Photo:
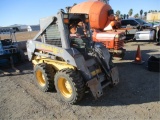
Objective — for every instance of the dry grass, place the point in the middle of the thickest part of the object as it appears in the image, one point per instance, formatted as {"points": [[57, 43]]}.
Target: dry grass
{"points": [[20, 36]]}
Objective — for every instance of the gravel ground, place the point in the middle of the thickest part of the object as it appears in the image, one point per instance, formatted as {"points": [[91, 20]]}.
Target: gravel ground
{"points": [[137, 96]]}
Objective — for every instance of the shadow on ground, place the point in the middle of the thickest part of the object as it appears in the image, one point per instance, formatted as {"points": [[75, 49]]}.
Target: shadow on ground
{"points": [[137, 84]]}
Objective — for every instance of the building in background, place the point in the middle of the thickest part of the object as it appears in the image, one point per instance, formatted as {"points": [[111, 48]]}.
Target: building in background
{"points": [[153, 16], [35, 27], [16, 28]]}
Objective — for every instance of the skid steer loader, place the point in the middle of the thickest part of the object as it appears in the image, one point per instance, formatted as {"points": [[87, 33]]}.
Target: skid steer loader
{"points": [[70, 62]]}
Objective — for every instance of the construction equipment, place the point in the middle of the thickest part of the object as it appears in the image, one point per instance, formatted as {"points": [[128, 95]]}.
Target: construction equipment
{"points": [[66, 57], [103, 24], [138, 58], [10, 53]]}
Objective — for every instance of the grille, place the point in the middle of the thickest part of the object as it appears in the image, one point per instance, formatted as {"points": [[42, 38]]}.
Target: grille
{"points": [[119, 44], [52, 36]]}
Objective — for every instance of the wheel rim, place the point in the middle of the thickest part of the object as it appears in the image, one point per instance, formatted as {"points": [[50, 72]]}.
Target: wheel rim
{"points": [[64, 87], [40, 78]]}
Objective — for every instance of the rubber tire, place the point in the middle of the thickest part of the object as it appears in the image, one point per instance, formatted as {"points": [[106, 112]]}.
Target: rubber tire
{"points": [[48, 73], [120, 56], [75, 80]]}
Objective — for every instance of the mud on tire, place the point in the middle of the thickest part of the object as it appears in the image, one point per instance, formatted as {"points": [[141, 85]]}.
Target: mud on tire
{"points": [[44, 77], [69, 85]]}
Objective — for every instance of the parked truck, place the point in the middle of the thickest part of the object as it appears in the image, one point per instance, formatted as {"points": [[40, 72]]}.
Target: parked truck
{"points": [[103, 25]]}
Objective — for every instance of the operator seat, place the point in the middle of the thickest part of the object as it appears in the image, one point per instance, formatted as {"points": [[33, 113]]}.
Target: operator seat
{"points": [[79, 40], [77, 37]]}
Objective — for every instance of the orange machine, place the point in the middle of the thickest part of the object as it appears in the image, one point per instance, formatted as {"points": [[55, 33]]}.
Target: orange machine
{"points": [[103, 24]]}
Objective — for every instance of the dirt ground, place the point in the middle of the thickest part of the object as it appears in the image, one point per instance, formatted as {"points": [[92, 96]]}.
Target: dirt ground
{"points": [[137, 96], [20, 36]]}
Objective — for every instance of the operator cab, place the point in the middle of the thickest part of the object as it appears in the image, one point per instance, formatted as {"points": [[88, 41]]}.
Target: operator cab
{"points": [[79, 34], [67, 31]]}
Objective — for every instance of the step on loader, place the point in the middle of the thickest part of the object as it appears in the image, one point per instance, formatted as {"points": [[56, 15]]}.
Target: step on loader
{"points": [[65, 57]]}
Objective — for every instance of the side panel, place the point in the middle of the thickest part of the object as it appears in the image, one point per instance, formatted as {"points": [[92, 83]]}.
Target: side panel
{"points": [[58, 65], [71, 56], [50, 49]]}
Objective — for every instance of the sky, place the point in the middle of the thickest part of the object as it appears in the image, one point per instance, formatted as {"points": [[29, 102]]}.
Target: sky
{"points": [[30, 11]]}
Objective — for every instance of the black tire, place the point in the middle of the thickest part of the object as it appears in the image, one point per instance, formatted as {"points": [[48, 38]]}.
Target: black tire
{"points": [[119, 56], [69, 85], [44, 77]]}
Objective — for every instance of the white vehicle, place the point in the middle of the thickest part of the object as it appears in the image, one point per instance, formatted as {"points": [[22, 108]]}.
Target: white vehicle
{"points": [[17, 28], [149, 34], [146, 35], [156, 24]]}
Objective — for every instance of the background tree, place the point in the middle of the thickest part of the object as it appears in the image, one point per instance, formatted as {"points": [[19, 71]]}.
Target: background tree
{"points": [[155, 11], [121, 16], [141, 12], [145, 14], [149, 11], [127, 16], [130, 12], [124, 16], [136, 15], [118, 13]]}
